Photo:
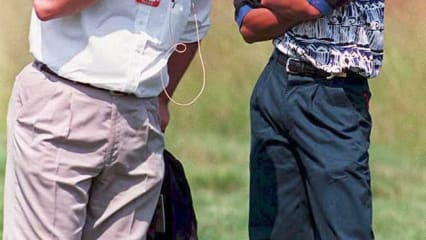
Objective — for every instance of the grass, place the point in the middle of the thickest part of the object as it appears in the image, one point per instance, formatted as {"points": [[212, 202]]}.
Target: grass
{"points": [[399, 195], [212, 136]]}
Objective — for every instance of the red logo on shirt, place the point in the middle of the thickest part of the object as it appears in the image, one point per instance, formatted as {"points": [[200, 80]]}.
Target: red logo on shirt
{"points": [[153, 3]]}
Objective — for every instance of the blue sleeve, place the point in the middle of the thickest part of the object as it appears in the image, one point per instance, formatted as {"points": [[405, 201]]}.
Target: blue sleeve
{"points": [[242, 12], [322, 5]]}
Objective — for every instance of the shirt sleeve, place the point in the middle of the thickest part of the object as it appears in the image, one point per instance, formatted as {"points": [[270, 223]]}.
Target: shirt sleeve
{"points": [[327, 6], [200, 16]]}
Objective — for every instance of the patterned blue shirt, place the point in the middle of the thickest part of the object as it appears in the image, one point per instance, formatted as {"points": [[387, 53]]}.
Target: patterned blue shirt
{"points": [[349, 37]]}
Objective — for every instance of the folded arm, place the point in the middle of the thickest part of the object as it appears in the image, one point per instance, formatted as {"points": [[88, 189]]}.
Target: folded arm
{"points": [[50, 9], [272, 18], [304, 8]]}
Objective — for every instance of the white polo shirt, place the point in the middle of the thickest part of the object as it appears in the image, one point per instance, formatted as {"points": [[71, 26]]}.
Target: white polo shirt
{"points": [[119, 45]]}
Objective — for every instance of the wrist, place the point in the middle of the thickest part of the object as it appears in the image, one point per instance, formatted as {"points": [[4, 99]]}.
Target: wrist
{"points": [[322, 5], [242, 12]]}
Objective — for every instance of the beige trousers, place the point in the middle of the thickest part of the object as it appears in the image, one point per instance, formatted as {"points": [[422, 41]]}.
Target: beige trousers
{"points": [[82, 163]]}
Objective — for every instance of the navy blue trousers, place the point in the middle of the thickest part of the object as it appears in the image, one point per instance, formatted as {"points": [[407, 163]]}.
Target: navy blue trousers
{"points": [[309, 172]]}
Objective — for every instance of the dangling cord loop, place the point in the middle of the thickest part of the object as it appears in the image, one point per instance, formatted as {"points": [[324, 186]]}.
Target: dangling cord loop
{"points": [[175, 48]]}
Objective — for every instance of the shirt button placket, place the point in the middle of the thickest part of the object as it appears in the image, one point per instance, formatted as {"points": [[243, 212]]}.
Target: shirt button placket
{"points": [[141, 22], [140, 25]]}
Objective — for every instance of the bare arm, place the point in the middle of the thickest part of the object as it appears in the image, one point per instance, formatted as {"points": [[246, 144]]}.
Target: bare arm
{"points": [[275, 18], [298, 10], [177, 65], [50, 9], [262, 24]]}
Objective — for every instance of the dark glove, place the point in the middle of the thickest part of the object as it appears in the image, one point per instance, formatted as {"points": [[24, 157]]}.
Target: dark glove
{"points": [[239, 3], [327, 6], [253, 3], [337, 3]]}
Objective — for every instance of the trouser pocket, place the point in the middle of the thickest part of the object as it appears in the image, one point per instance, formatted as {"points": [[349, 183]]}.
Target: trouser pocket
{"points": [[43, 105]]}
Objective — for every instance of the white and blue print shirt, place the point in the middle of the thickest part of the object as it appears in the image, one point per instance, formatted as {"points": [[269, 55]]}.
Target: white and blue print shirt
{"points": [[347, 37]]}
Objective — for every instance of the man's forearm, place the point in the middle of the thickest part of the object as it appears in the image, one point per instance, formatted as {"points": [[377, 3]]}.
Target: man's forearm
{"points": [[297, 10], [303, 10], [177, 65], [50, 9], [262, 24], [274, 18]]}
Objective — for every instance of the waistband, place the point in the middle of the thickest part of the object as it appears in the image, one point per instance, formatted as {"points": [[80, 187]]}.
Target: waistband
{"points": [[299, 67], [44, 68]]}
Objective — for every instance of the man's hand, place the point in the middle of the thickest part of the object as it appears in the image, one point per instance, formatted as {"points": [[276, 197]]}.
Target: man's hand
{"points": [[50, 9], [164, 113]]}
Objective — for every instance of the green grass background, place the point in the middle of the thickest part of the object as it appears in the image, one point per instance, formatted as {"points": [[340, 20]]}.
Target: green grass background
{"points": [[212, 136]]}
